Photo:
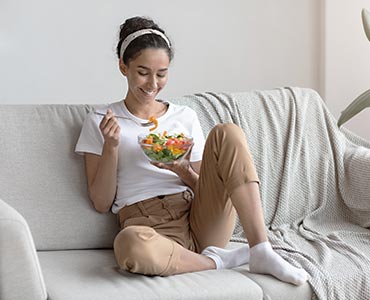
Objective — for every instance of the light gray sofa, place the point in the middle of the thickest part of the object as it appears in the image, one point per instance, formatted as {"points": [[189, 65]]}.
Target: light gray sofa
{"points": [[54, 245]]}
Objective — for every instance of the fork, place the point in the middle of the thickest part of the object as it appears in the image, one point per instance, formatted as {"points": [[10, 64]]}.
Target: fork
{"points": [[127, 118]]}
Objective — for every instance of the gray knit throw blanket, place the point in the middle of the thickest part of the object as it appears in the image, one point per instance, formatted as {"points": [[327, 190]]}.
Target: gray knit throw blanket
{"points": [[315, 183]]}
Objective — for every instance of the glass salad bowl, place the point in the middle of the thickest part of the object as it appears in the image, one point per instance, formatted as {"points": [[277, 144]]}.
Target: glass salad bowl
{"points": [[164, 147]]}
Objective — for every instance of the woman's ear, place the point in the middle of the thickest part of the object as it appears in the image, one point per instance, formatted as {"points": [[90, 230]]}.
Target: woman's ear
{"points": [[122, 67]]}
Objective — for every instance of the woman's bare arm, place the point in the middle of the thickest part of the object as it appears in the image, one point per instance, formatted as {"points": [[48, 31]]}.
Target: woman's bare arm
{"points": [[101, 171]]}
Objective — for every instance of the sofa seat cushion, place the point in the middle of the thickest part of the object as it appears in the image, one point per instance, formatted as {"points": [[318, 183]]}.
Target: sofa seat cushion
{"points": [[274, 289], [93, 275]]}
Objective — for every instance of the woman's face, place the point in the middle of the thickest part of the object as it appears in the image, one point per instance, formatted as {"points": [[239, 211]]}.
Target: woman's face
{"points": [[147, 74]]}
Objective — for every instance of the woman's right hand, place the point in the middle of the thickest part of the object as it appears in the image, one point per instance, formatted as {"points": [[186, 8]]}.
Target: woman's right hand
{"points": [[110, 129]]}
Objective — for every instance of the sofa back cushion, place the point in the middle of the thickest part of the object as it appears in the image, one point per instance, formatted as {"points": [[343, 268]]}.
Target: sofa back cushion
{"points": [[43, 178]]}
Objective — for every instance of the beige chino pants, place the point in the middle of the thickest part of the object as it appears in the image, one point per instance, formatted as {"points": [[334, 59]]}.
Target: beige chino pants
{"points": [[155, 230]]}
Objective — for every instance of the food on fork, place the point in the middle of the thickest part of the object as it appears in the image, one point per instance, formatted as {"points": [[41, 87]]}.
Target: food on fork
{"points": [[154, 121]]}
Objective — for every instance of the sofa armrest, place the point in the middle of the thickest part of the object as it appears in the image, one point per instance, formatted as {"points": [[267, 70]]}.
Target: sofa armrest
{"points": [[355, 187], [20, 272]]}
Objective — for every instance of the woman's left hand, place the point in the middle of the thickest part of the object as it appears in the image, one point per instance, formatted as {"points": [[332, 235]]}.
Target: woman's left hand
{"points": [[180, 167], [183, 169]]}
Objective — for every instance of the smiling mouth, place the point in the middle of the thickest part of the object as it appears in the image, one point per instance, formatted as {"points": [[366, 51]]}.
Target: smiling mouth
{"points": [[149, 93]]}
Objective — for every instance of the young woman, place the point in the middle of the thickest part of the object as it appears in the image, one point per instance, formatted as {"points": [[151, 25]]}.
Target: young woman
{"points": [[174, 218]]}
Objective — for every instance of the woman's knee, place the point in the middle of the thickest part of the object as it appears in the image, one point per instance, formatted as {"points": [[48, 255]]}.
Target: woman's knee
{"points": [[226, 127], [136, 249], [131, 245], [229, 132]]}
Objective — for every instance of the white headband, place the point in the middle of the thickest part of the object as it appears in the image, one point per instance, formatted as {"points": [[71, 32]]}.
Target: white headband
{"points": [[138, 33]]}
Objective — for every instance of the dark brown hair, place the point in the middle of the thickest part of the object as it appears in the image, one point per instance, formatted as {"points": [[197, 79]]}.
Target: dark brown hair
{"points": [[134, 49]]}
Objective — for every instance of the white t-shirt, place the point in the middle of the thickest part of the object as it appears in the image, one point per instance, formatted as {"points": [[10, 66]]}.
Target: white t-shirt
{"points": [[137, 179]]}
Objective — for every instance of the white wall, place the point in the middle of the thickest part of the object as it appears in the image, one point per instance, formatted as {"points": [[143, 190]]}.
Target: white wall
{"points": [[63, 51], [347, 60]]}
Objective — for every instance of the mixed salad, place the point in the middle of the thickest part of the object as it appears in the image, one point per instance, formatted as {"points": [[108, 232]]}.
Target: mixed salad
{"points": [[164, 147]]}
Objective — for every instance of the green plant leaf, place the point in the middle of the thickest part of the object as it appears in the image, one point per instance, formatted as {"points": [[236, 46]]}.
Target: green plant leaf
{"points": [[357, 105], [366, 22]]}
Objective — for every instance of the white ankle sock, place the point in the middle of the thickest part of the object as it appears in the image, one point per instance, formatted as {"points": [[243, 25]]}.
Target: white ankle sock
{"points": [[228, 258], [264, 260]]}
